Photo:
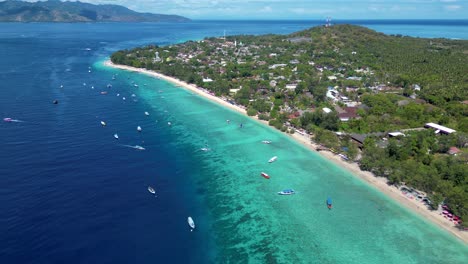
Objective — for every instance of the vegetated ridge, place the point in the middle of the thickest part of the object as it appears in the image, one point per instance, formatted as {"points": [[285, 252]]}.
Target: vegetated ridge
{"points": [[58, 11]]}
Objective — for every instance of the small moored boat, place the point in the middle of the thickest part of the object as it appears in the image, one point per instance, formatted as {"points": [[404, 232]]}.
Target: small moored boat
{"points": [[266, 176], [116, 136], [329, 203], [266, 142], [103, 123], [139, 128], [273, 159], [151, 190], [287, 192], [146, 113], [191, 223]]}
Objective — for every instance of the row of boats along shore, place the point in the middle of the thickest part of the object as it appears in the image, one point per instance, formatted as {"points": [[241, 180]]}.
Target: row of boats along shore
{"points": [[151, 189], [287, 191]]}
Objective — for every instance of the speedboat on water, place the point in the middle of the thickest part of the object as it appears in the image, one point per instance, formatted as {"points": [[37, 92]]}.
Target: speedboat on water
{"points": [[273, 159], [264, 175], [151, 190], [7, 119], [191, 223], [139, 128], [287, 192], [116, 136], [266, 142], [139, 147], [103, 123]]}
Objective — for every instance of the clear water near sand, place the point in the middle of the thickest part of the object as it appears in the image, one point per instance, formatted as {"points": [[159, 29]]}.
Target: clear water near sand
{"points": [[248, 220]]}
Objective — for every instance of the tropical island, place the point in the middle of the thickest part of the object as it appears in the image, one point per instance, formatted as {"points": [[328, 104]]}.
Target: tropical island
{"points": [[58, 11], [396, 105]]}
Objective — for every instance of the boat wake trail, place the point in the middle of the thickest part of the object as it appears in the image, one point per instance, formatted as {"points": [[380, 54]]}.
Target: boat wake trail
{"points": [[7, 119], [134, 147]]}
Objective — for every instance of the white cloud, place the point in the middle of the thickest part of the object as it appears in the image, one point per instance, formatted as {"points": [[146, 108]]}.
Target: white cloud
{"points": [[266, 9], [452, 7]]}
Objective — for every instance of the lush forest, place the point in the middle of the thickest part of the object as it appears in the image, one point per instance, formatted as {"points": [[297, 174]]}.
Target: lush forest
{"points": [[394, 83]]}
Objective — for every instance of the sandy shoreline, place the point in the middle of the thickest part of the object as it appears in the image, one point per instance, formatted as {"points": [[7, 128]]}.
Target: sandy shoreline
{"points": [[376, 182]]}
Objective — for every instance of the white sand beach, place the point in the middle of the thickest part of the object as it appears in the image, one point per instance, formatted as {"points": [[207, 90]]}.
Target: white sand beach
{"points": [[376, 182]]}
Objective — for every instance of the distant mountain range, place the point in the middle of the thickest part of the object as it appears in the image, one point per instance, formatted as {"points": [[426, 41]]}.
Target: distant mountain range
{"points": [[58, 11]]}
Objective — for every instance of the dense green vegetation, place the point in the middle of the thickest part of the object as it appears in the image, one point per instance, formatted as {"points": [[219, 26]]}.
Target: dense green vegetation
{"points": [[397, 83], [76, 11]]}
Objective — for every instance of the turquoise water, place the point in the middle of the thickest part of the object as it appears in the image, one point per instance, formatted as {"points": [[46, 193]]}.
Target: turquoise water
{"points": [[249, 221]]}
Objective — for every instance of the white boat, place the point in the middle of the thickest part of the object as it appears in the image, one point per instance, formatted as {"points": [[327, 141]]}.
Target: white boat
{"points": [[205, 149], [191, 223], [116, 136], [146, 113], [139, 128], [273, 159], [139, 147], [151, 190], [266, 142], [287, 192], [103, 123], [169, 123]]}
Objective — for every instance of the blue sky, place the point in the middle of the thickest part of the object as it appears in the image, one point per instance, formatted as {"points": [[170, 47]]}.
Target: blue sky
{"points": [[300, 9]]}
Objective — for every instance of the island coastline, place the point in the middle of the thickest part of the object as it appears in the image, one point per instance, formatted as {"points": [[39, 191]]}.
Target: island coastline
{"points": [[378, 183]]}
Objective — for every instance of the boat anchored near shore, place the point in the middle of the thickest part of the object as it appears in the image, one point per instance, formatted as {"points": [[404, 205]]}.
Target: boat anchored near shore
{"points": [[264, 175], [273, 159], [329, 203], [287, 192]]}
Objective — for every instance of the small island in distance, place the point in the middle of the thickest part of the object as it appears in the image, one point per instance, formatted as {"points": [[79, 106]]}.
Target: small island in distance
{"points": [[58, 11]]}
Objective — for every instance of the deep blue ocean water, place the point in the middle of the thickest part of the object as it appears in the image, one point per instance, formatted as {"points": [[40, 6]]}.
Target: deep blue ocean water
{"points": [[70, 192]]}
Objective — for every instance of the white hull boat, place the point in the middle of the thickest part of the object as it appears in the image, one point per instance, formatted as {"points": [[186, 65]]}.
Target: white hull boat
{"points": [[273, 159], [191, 223]]}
